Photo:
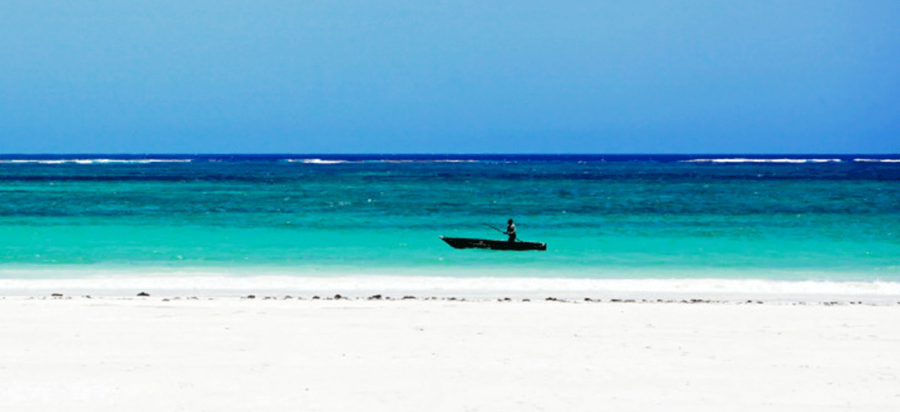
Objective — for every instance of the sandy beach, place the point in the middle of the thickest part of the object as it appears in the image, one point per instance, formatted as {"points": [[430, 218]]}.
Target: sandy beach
{"points": [[449, 206], [113, 353]]}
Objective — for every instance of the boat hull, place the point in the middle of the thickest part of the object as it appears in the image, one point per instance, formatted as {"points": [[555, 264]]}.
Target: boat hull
{"points": [[465, 243]]}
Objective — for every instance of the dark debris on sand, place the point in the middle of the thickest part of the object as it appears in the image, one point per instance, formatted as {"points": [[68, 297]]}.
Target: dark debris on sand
{"points": [[691, 301]]}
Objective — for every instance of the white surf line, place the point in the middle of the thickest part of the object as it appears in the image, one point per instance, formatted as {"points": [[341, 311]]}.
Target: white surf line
{"points": [[742, 160], [94, 161], [878, 160]]}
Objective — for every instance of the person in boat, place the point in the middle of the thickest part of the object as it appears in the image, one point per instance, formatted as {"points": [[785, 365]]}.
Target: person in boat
{"points": [[510, 230]]}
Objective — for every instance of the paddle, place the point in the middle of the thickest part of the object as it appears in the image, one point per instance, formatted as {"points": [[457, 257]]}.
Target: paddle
{"points": [[492, 227]]}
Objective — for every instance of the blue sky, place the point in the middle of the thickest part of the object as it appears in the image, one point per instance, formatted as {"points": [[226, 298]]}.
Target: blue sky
{"points": [[265, 76]]}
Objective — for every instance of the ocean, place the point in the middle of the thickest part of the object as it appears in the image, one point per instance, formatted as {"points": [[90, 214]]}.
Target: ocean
{"points": [[774, 218]]}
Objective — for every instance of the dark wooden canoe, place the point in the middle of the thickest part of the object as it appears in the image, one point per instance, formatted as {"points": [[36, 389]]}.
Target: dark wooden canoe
{"points": [[463, 243]]}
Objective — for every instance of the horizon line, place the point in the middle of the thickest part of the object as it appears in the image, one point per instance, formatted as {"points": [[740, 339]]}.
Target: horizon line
{"points": [[434, 154]]}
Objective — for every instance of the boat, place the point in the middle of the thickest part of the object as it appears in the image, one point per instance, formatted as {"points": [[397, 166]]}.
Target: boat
{"points": [[465, 243]]}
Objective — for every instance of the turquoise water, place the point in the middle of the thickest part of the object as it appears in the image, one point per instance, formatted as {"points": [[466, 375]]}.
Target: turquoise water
{"points": [[602, 217]]}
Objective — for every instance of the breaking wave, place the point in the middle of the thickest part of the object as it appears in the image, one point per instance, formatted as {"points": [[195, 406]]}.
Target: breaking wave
{"points": [[878, 160], [337, 161], [317, 161], [742, 160], [93, 161]]}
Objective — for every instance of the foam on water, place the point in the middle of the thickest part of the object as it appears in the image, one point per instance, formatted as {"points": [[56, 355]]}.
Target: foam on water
{"points": [[389, 161], [93, 161], [878, 160], [741, 160], [428, 161], [317, 161]]}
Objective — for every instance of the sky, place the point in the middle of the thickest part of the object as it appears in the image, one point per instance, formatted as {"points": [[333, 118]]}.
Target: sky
{"points": [[413, 76]]}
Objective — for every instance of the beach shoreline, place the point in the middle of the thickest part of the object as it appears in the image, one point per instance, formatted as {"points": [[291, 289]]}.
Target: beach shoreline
{"points": [[471, 288]]}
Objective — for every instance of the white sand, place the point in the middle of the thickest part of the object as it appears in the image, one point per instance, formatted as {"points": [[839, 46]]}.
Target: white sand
{"points": [[230, 354]]}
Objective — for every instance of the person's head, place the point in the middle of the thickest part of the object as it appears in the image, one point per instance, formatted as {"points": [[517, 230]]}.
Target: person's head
{"points": [[509, 222]]}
